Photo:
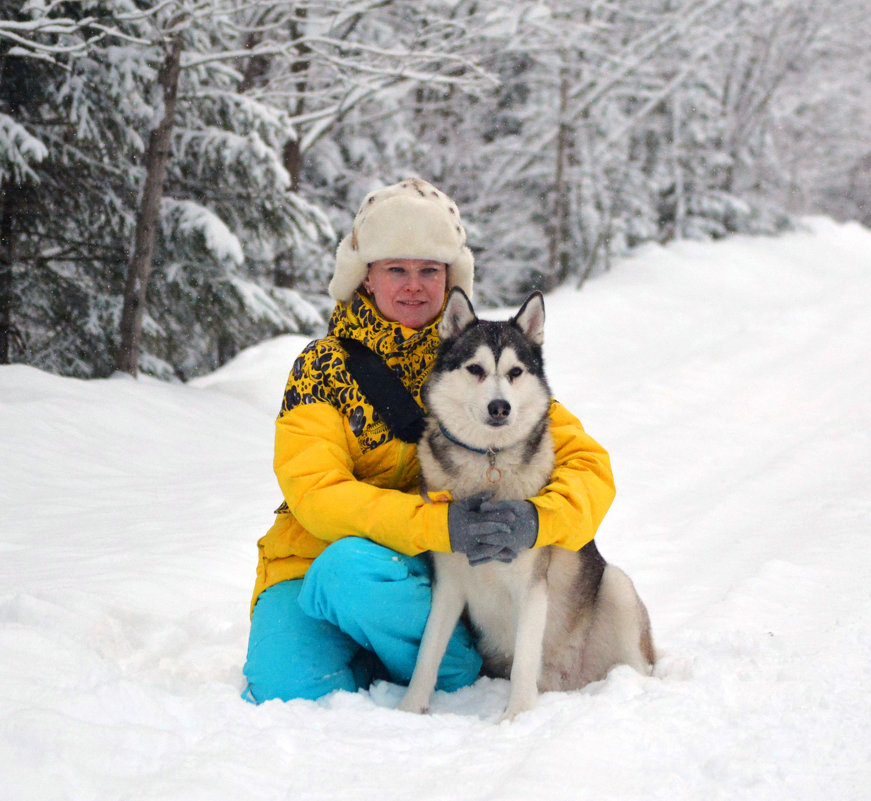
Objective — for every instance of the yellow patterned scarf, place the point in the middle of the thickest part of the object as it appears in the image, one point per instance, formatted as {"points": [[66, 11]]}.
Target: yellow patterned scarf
{"points": [[319, 373]]}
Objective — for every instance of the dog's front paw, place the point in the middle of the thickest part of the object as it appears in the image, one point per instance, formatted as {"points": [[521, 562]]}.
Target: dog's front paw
{"points": [[509, 714], [410, 703], [518, 705]]}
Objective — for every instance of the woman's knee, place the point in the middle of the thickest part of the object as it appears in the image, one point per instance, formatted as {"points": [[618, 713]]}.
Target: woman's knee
{"points": [[357, 559], [275, 671], [360, 587], [354, 571], [293, 656]]}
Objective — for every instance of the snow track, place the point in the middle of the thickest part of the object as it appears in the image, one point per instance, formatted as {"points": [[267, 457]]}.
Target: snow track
{"points": [[731, 383]]}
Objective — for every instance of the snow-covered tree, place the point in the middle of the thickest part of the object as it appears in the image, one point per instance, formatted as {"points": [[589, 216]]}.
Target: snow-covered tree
{"points": [[214, 179], [347, 73], [224, 183], [568, 131], [819, 157], [615, 124], [65, 186]]}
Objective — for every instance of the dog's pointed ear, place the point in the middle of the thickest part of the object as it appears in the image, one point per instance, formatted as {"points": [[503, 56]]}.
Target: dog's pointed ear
{"points": [[530, 318], [457, 316]]}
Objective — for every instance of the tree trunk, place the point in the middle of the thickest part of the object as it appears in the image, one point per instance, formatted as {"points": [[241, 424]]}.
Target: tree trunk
{"points": [[156, 158], [7, 204], [558, 267], [680, 201], [285, 267]]}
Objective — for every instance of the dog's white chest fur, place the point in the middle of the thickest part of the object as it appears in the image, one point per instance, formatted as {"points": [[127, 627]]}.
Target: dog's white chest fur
{"points": [[491, 590]]}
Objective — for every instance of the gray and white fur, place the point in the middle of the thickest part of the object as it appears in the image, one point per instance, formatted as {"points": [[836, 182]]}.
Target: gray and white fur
{"points": [[553, 619]]}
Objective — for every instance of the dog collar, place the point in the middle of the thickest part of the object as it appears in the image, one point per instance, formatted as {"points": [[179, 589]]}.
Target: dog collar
{"points": [[493, 473]]}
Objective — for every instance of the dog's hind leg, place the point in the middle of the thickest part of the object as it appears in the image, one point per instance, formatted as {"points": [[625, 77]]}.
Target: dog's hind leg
{"points": [[531, 619], [447, 606], [620, 632]]}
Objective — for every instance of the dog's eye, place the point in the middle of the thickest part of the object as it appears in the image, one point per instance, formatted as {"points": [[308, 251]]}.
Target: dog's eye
{"points": [[476, 370], [514, 372]]}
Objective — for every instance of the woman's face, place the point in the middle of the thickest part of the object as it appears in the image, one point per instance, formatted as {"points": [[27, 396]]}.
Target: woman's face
{"points": [[408, 291]]}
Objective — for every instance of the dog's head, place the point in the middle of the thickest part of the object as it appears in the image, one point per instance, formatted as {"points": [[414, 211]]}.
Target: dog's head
{"points": [[488, 384]]}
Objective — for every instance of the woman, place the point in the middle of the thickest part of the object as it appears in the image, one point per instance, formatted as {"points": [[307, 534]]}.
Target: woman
{"points": [[342, 594]]}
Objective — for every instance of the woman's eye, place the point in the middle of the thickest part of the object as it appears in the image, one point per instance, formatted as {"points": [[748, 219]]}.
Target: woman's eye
{"points": [[514, 372], [476, 370]]}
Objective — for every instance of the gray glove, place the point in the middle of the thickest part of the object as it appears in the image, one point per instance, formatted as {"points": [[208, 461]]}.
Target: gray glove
{"points": [[468, 526], [523, 528]]}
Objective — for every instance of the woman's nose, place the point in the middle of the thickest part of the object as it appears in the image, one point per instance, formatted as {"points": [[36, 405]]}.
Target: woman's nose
{"points": [[413, 282]]}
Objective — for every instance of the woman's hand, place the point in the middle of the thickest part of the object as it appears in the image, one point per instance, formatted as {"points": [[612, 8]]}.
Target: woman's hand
{"points": [[487, 531]]}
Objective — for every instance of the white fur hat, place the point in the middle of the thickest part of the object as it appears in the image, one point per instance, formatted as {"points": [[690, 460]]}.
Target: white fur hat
{"points": [[408, 220]]}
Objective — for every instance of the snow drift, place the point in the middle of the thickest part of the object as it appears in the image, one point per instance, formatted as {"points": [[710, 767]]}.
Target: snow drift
{"points": [[731, 383]]}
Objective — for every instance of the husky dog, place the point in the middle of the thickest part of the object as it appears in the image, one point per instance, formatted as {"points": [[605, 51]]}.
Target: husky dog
{"points": [[552, 619]]}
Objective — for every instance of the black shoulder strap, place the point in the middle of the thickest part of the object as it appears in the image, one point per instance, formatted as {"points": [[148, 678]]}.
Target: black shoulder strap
{"points": [[384, 390]]}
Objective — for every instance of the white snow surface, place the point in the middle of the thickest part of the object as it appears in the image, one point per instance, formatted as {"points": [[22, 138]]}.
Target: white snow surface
{"points": [[731, 383]]}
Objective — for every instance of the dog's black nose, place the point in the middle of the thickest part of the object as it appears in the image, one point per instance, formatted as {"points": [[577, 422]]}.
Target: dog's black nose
{"points": [[499, 410]]}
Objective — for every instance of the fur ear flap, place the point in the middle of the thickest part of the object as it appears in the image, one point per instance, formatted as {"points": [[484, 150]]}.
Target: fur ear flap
{"points": [[457, 316], [530, 318]]}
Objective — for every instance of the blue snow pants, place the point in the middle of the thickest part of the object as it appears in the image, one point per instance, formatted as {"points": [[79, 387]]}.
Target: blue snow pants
{"points": [[357, 615]]}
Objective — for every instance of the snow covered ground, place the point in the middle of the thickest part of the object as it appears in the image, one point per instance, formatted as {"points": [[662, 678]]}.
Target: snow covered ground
{"points": [[731, 383]]}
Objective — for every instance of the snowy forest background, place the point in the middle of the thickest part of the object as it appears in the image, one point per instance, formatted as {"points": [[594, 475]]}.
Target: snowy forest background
{"points": [[175, 175]]}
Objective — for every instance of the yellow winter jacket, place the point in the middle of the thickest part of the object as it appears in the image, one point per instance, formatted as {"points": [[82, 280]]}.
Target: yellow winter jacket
{"points": [[342, 473]]}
